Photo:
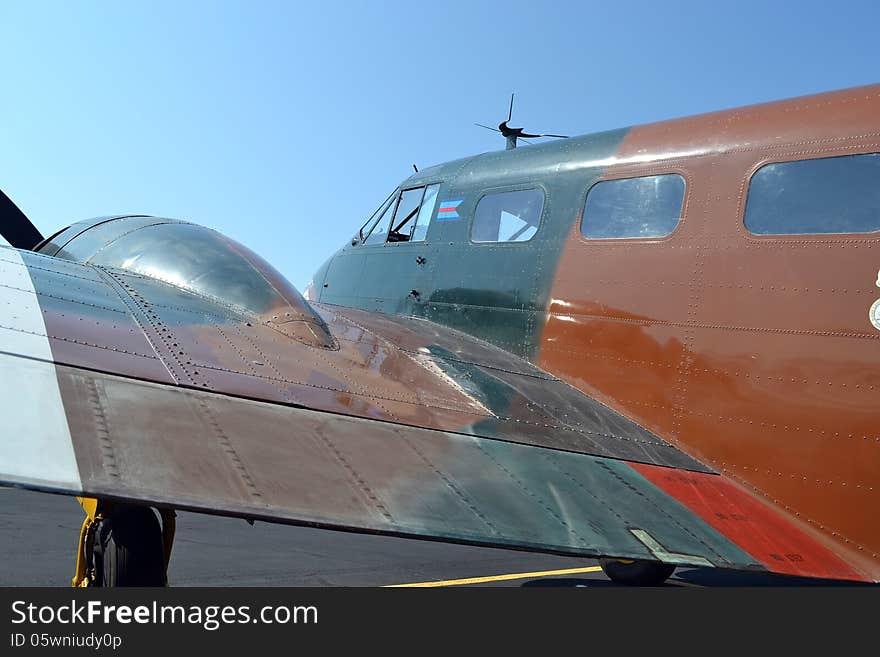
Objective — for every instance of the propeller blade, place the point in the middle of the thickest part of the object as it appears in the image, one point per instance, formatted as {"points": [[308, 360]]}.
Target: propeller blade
{"points": [[510, 112], [487, 127], [15, 226], [546, 135]]}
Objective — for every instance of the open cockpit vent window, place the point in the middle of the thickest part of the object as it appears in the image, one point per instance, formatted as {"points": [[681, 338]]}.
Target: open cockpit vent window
{"points": [[404, 217]]}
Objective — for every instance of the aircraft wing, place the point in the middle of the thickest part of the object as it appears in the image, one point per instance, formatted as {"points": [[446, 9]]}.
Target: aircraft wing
{"points": [[117, 384]]}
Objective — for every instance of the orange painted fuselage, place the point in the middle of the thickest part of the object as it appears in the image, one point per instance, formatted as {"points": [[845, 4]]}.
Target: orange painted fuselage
{"points": [[753, 353]]}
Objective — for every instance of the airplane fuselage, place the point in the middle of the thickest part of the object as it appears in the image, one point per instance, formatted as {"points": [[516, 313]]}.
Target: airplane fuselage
{"points": [[742, 327]]}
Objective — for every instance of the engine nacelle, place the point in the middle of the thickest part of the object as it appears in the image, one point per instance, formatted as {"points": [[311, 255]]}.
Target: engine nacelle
{"points": [[196, 259]]}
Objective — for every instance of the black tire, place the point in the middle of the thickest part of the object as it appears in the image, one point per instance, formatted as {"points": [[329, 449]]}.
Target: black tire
{"points": [[637, 573], [127, 549]]}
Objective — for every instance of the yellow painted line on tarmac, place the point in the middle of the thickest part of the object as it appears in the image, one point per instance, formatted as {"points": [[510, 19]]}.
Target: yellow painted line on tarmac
{"points": [[496, 578]]}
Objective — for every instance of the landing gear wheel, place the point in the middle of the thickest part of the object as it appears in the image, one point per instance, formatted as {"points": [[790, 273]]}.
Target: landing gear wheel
{"points": [[636, 573], [126, 548]]}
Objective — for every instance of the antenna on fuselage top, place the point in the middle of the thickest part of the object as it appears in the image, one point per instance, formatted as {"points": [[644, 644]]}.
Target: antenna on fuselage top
{"points": [[513, 134]]}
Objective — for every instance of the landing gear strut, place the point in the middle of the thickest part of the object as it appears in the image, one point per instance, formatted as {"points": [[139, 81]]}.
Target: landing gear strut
{"points": [[123, 545], [636, 573]]}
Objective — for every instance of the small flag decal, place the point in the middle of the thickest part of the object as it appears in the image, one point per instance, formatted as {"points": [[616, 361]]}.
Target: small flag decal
{"points": [[448, 210]]}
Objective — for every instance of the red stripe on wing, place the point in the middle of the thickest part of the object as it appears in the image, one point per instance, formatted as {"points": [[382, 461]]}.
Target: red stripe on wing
{"points": [[760, 530]]}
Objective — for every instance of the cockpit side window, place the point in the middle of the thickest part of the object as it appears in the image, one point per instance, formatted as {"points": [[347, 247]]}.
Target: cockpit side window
{"points": [[401, 227], [414, 214], [426, 212]]}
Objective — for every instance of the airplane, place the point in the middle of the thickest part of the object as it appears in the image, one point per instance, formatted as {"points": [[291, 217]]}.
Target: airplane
{"points": [[657, 346]]}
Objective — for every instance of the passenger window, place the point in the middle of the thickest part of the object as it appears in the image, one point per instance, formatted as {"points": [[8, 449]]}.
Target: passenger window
{"points": [[376, 232], [825, 195], [508, 216], [426, 212], [649, 206]]}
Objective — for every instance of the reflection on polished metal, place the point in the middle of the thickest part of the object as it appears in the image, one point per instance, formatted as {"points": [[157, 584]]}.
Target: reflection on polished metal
{"points": [[199, 260], [394, 369]]}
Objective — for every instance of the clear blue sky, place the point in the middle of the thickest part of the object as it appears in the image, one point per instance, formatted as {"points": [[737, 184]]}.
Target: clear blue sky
{"points": [[283, 124]]}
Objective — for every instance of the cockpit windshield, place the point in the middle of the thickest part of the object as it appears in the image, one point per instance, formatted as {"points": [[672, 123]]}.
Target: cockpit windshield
{"points": [[376, 218]]}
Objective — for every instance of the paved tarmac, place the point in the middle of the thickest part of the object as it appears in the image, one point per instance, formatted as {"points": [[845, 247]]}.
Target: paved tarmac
{"points": [[38, 535]]}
